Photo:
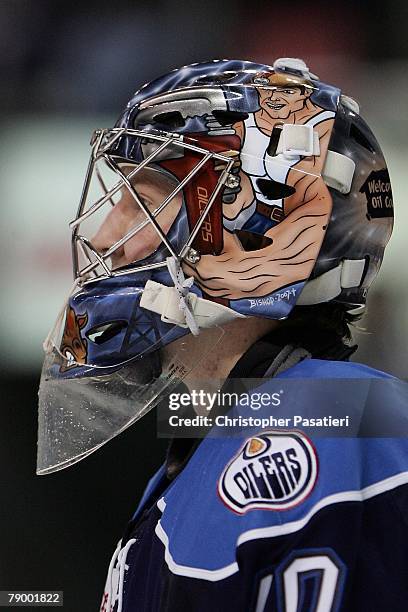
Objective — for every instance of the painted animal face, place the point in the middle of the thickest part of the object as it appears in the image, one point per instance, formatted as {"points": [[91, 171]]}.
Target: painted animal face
{"points": [[73, 346]]}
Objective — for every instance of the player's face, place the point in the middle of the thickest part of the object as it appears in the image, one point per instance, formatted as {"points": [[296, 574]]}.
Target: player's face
{"points": [[280, 102], [152, 188]]}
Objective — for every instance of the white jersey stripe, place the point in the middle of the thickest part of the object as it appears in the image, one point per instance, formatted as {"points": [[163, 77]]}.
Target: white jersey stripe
{"points": [[277, 530]]}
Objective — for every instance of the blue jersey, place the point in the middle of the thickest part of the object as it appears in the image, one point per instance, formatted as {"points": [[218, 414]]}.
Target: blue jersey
{"points": [[279, 521]]}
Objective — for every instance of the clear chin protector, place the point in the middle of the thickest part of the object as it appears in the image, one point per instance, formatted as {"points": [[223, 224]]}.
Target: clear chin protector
{"points": [[78, 414]]}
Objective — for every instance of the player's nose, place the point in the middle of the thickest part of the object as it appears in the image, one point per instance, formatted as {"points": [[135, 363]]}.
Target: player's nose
{"points": [[103, 239], [113, 228]]}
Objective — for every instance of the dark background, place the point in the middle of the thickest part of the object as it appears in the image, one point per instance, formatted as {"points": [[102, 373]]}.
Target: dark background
{"points": [[63, 63]]}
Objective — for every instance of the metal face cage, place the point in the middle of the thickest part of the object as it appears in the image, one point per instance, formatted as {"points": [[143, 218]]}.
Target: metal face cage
{"points": [[89, 264]]}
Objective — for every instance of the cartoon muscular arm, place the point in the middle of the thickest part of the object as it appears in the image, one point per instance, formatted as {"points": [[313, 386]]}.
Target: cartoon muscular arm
{"points": [[290, 257]]}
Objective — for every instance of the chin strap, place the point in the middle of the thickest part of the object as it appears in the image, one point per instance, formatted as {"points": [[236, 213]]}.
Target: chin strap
{"points": [[178, 306], [182, 286]]}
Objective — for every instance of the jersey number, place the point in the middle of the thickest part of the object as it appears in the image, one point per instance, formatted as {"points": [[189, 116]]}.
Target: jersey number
{"points": [[326, 572]]}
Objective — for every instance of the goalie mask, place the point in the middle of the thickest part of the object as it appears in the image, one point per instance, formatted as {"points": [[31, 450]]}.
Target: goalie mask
{"points": [[227, 189]]}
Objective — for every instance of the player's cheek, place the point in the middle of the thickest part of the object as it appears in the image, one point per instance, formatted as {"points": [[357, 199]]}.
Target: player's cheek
{"points": [[107, 233], [143, 244], [147, 240]]}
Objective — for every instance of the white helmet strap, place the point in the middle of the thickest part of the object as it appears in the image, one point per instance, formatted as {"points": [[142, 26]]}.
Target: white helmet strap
{"points": [[349, 273]]}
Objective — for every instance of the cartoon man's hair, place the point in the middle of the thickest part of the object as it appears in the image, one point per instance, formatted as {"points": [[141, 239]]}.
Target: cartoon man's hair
{"points": [[265, 80]]}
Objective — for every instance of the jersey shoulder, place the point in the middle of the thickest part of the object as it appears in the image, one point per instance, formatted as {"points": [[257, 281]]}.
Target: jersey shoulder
{"points": [[272, 483]]}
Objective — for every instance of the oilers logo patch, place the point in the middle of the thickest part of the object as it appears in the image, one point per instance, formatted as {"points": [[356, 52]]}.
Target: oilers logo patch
{"points": [[272, 471]]}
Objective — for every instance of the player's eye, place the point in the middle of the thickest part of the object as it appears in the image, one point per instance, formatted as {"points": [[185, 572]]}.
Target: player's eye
{"points": [[146, 202]]}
